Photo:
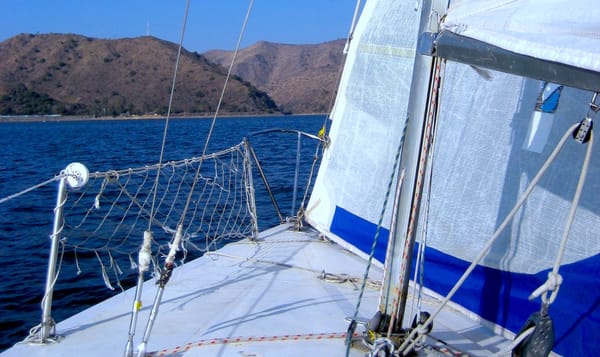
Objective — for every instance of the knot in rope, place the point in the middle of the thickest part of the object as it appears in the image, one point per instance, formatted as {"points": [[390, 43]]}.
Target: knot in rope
{"points": [[552, 284]]}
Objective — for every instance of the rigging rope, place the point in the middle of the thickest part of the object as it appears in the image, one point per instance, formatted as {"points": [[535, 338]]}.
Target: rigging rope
{"points": [[352, 25], [352, 326], [419, 274], [321, 274], [433, 114], [429, 124], [323, 132], [34, 187], [147, 234], [554, 278], [174, 245]]}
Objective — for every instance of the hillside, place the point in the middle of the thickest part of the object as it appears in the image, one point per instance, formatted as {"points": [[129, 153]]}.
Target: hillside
{"points": [[72, 74], [300, 78]]}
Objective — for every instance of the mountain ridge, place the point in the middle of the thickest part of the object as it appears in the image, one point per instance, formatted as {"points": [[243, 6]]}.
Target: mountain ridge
{"points": [[70, 74], [300, 78]]}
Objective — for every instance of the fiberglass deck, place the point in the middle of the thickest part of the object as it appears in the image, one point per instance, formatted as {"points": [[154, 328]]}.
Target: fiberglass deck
{"points": [[262, 298]]}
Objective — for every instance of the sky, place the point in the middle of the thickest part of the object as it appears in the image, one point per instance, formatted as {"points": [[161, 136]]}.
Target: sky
{"points": [[211, 24]]}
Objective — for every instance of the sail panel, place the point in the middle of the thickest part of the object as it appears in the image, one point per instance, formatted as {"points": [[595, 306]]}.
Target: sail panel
{"points": [[483, 161], [367, 124], [481, 167]]}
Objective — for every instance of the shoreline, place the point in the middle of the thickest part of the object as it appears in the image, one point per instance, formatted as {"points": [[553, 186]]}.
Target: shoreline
{"points": [[72, 118]]}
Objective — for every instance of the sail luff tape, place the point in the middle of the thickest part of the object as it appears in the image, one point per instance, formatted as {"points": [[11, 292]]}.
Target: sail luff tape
{"points": [[145, 254], [175, 245]]}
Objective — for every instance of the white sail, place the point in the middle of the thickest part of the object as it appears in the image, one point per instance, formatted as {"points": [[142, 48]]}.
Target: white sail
{"points": [[489, 145], [367, 125], [486, 156], [479, 172]]}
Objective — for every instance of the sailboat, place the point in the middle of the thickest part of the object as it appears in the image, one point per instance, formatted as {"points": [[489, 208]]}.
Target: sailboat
{"points": [[450, 215]]}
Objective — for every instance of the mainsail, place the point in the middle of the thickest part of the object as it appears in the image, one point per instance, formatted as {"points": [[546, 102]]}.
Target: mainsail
{"points": [[368, 121], [480, 171], [482, 160], [483, 165]]}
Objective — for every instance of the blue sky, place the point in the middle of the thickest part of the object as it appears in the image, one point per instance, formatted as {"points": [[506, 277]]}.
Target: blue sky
{"points": [[212, 24]]}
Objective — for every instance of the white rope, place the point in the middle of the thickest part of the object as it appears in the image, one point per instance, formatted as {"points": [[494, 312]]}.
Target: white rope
{"points": [[554, 278], [576, 199], [409, 343], [325, 276], [515, 342]]}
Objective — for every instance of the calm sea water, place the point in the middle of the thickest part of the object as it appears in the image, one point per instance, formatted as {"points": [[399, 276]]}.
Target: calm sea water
{"points": [[34, 152]]}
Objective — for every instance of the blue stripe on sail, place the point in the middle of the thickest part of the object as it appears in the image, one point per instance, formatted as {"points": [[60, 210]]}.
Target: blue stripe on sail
{"points": [[359, 232], [501, 297]]}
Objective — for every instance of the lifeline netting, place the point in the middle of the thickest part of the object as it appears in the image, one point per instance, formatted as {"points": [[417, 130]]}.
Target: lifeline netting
{"points": [[108, 216]]}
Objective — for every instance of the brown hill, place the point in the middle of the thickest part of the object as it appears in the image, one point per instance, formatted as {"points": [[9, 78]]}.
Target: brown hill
{"points": [[71, 74], [300, 78]]}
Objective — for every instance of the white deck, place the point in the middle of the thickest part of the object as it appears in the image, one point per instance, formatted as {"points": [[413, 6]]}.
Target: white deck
{"points": [[263, 298]]}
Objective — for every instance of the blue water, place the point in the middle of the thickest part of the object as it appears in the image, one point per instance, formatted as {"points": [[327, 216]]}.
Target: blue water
{"points": [[35, 152]]}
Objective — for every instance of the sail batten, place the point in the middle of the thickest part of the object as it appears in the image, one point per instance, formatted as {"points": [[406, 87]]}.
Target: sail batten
{"points": [[387, 50]]}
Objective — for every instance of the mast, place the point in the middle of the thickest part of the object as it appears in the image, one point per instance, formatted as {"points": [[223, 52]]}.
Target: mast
{"points": [[414, 159]]}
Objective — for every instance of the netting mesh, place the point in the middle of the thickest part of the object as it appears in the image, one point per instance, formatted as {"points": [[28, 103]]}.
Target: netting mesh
{"points": [[107, 218]]}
